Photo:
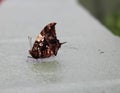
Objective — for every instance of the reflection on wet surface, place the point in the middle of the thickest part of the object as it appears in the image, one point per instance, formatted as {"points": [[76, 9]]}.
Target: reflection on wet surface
{"points": [[46, 71]]}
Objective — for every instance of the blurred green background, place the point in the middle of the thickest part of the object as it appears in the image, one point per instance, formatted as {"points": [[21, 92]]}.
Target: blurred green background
{"points": [[107, 11]]}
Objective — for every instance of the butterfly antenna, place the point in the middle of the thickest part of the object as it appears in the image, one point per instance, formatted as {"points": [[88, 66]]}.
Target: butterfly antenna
{"points": [[30, 41], [63, 43]]}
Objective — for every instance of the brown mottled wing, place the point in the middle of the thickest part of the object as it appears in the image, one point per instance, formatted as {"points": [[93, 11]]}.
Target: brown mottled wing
{"points": [[46, 43]]}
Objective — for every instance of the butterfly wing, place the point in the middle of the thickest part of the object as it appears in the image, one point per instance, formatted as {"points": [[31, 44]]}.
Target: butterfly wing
{"points": [[46, 43]]}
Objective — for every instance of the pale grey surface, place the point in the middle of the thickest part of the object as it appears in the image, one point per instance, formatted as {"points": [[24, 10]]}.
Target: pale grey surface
{"points": [[88, 63]]}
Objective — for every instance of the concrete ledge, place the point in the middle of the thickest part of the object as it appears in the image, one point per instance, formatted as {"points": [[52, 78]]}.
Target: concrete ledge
{"points": [[89, 62]]}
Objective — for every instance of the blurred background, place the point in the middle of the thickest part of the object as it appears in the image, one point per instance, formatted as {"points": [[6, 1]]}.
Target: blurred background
{"points": [[106, 11]]}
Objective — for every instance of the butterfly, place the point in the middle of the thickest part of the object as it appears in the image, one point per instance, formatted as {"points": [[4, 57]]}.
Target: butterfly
{"points": [[46, 44]]}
